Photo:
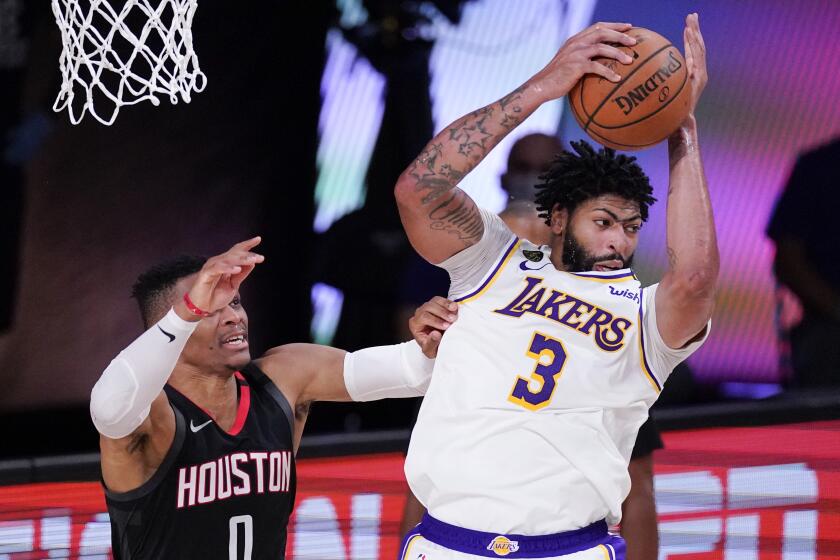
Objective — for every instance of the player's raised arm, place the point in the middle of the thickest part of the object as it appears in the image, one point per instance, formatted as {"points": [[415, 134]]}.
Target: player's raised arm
{"points": [[127, 404], [441, 219], [685, 297]]}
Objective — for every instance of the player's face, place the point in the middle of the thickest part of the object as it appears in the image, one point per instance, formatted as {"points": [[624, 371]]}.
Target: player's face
{"points": [[602, 234], [219, 342]]}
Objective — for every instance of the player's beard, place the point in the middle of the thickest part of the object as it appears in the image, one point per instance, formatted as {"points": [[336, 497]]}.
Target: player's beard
{"points": [[578, 259]]}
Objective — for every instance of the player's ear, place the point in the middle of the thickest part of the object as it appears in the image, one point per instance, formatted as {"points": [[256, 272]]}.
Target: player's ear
{"points": [[559, 220]]}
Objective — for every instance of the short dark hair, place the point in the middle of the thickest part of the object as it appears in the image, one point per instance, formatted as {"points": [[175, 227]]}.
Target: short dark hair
{"points": [[573, 179], [153, 288]]}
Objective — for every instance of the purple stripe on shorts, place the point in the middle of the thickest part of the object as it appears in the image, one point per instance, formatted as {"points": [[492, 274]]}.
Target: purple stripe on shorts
{"points": [[496, 545], [405, 542]]}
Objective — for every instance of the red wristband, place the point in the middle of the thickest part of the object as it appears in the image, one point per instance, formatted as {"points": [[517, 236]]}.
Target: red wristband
{"points": [[193, 308]]}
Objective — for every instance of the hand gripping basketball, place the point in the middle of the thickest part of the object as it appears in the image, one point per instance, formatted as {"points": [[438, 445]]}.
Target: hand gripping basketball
{"points": [[220, 277], [574, 59], [655, 96]]}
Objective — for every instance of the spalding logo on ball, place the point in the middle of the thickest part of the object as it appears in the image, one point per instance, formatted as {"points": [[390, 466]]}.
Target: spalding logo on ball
{"points": [[646, 106]]}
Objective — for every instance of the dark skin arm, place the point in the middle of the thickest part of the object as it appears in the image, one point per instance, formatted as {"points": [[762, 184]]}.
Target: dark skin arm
{"points": [[638, 519], [685, 298], [305, 373], [441, 219]]}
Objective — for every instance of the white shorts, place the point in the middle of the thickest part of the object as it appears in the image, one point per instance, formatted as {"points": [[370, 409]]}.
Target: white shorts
{"points": [[435, 540]]}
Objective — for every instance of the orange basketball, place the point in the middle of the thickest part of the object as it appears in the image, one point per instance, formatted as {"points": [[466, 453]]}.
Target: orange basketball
{"points": [[646, 106]]}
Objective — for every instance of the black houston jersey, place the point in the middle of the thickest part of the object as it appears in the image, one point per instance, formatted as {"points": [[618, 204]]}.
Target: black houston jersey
{"points": [[217, 495]]}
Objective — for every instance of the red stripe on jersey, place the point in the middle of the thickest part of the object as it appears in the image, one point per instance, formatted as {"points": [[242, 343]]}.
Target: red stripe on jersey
{"points": [[244, 405]]}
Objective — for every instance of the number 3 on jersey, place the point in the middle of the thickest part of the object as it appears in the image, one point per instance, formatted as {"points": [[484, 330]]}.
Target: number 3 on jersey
{"points": [[550, 357]]}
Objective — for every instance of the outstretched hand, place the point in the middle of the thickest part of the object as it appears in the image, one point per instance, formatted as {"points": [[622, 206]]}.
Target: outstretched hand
{"points": [[430, 321], [695, 58], [219, 279]]}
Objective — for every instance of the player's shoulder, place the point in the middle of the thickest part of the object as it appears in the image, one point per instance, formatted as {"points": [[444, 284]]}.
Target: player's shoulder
{"points": [[531, 251], [294, 357], [285, 364]]}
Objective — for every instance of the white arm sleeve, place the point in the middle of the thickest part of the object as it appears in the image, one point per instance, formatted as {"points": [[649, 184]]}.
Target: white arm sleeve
{"points": [[661, 358], [469, 267], [384, 372], [121, 399]]}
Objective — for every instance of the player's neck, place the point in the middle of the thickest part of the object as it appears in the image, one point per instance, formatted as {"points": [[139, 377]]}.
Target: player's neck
{"points": [[557, 260], [217, 394]]}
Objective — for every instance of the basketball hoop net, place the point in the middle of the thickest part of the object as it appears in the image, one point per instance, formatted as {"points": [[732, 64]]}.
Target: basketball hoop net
{"points": [[117, 58]]}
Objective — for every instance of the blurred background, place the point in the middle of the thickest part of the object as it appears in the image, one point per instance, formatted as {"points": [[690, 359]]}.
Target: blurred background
{"points": [[311, 111]]}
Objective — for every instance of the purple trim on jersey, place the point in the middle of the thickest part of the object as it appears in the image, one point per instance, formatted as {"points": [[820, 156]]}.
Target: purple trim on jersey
{"points": [[604, 276], [481, 544], [492, 274], [642, 334]]}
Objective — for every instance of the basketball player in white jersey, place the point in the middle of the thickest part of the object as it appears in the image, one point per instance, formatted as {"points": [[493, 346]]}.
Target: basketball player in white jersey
{"points": [[529, 157], [522, 443]]}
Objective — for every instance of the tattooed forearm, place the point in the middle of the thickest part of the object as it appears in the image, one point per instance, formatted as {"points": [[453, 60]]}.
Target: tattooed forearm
{"points": [[459, 216], [672, 258], [424, 165], [512, 97], [432, 185], [472, 137], [451, 173], [429, 182], [511, 121], [458, 149]]}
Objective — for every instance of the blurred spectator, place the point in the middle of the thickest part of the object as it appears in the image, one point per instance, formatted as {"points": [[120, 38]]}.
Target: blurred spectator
{"points": [[529, 157], [802, 227]]}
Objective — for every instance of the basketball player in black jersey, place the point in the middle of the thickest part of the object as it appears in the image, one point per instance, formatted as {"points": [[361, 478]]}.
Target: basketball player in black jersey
{"points": [[198, 441]]}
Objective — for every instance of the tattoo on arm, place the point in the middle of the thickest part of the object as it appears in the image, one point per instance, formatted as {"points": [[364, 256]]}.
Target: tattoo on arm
{"points": [[472, 137], [430, 182], [511, 121], [459, 216], [672, 257], [512, 97], [454, 153]]}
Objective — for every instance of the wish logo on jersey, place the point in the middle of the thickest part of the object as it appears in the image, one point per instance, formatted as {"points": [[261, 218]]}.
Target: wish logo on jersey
{"points": [[625, 293], [503, 546], [606, 329]]}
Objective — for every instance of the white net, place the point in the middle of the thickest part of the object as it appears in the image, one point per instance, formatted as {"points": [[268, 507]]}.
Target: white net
{"points": [[119, 56]]}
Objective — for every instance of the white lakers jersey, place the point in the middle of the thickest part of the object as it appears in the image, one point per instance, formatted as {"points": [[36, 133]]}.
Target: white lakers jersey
{"points": [[538, 391]]}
